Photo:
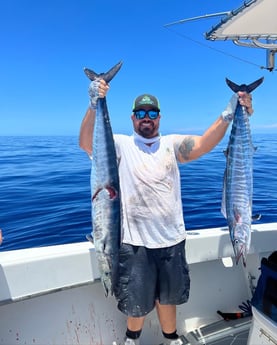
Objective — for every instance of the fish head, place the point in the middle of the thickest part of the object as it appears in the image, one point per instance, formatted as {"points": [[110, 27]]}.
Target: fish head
{"points": [[241, 241]]}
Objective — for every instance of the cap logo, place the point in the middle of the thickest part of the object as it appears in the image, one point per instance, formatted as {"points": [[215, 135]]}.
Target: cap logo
{"points": [[146, 100]]}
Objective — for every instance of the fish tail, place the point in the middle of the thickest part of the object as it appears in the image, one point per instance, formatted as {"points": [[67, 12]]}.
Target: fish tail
{"points": [[108, 76], [243, 87]]}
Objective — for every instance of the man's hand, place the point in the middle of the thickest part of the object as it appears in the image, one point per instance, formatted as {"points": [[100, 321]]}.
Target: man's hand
{"points": [[244, 99], [98, 88]]}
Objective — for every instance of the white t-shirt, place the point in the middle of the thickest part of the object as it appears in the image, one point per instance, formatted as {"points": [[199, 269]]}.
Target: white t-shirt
{"points": [[152, 214]]}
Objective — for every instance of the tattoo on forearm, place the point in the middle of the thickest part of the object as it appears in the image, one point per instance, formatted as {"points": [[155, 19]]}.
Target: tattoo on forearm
{"points": [[186, 147]]}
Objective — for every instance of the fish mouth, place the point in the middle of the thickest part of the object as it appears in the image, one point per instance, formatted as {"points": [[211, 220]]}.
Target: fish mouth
{"points": [[240, 252]]}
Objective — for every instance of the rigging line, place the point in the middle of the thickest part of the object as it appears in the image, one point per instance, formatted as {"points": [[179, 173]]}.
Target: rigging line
{"points": [[215, 49]]}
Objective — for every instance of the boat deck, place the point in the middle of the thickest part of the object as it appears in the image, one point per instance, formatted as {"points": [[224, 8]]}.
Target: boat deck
{"points": [[59, 286], [233, 332]]}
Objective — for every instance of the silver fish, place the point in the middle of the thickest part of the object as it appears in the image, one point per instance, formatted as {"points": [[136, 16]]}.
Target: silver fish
{"points": [[238, 177], [105, 194]]}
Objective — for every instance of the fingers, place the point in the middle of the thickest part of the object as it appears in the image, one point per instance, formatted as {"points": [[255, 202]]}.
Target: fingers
{"points": [[245, 99], [103, 88], [98, 88]]}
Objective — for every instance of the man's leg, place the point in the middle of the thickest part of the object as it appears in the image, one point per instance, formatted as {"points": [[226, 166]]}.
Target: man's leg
{"points": [[167, 317], [173, 266], [134, 328], [135, 323]]}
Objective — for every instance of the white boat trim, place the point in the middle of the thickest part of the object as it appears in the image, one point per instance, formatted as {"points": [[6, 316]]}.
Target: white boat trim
{"points": [[59, 286]]}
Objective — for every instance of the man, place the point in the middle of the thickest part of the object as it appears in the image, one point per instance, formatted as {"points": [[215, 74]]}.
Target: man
{"points": [[153, 271]]}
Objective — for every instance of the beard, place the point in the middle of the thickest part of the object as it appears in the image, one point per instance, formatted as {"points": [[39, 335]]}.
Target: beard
{"points": [[147, 129]]}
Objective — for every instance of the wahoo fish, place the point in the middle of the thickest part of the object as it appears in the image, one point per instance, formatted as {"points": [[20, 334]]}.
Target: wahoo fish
{"points": [[238, 177], [105, 195]]}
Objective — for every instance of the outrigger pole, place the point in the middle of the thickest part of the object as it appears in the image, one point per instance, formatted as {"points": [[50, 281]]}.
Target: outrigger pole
{"points": [[182, 21]]}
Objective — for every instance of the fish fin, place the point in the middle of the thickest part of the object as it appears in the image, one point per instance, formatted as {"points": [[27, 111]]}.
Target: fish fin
{"points": [[256, 217], [89, 237], [243, 87], [108, 76]]}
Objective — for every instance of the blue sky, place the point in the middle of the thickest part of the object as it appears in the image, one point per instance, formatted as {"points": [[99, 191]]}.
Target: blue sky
{"points": [[46, 44]]}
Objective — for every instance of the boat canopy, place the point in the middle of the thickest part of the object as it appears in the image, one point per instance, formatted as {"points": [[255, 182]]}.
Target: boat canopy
{"points": [[251, 25]]}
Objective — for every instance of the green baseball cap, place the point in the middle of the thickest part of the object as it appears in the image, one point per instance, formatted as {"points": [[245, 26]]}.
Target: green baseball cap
{"points": [[146, 99]]}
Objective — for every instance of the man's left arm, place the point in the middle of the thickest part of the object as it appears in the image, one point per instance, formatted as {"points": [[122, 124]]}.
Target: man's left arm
{"points": [[192, 146]]}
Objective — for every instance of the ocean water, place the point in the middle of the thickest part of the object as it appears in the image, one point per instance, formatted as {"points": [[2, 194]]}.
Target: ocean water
{"points": [[45, 189]]}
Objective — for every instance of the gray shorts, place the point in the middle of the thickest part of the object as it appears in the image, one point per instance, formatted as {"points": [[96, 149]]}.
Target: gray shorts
{"points": [[146, 275]]}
